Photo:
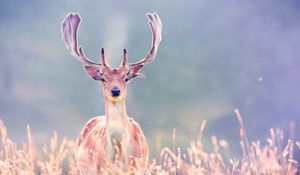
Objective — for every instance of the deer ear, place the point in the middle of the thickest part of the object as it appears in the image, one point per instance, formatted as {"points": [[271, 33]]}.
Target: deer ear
{"points": [[93, 72], [136, 68], [134, 72]]}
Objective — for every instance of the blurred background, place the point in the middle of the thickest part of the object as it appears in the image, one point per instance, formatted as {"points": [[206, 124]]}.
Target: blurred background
{"points": [[215, 56]]}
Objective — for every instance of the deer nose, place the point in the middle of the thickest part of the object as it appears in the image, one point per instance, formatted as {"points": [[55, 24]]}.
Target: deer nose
{"points": [[115, 92]]}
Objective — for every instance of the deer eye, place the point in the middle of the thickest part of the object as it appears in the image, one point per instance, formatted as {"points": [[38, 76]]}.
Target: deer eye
{"points": [[126, 79], [103, 80]]}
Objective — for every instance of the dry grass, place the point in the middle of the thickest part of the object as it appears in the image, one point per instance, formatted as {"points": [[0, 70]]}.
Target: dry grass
{"points": [[58, 157]]}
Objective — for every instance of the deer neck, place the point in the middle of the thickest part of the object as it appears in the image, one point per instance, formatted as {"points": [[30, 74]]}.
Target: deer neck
{"points": [[116, 115], [117, 127]]}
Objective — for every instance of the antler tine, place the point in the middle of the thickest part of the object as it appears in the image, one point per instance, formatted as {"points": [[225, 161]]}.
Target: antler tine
{"points": [[69, 30], [156, 29], [124, 62], [103, 59]]}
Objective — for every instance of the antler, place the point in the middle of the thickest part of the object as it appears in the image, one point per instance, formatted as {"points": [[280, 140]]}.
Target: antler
{"points": [[156, 28], [124, 62], [69, 35], [103, 59]]}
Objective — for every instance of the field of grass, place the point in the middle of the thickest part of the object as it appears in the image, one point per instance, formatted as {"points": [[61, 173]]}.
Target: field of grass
{"points": [[57, 157]]}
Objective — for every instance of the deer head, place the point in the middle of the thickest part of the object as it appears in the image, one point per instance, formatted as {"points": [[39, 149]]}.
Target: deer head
{"points": [[114, 80]]}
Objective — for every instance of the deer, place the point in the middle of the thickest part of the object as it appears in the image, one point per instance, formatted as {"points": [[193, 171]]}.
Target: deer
{"points": [[115, 137]]}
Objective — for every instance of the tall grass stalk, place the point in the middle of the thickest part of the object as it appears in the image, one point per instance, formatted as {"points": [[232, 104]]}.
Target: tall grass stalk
{"points": [[58, 156]]}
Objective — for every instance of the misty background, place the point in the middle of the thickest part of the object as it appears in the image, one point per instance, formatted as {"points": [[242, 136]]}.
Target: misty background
{"points": [[215, 56]]}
